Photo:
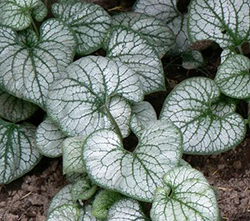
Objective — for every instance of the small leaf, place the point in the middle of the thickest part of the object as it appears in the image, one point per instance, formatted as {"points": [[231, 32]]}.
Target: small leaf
{"points": [[72, 155], [29, 66], [130, 48], [103, 201], [87, 213], [89, 22], [83, 190], [194, 107], [156, 32], [49, 139], [15, 109], [89, 84], [126, 210], [143, 115], [18, 14], [192, 60], [18, 153], [66, 212], [225, 22], [185, 196], [233, 77], [134, 174], [74, 177]]}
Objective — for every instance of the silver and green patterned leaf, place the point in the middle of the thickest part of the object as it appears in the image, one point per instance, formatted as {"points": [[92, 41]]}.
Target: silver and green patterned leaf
{"points": [[192, 60], [126, 210], [87, 213], [83, 190], [15, 109], [28, 65], [89, 22], [143, 115], [225, 54], [186, 195], [130, 48], [103, 201], [224, 21], [194, 107], [49, 139], [18, 152], [134, 174], [233, 77], [72, 155], [74, 177], [66, 212], [79, 102], [18, 14], [157, 33]]}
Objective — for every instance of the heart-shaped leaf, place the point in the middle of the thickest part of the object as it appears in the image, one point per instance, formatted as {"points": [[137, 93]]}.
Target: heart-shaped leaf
{"points": [[28, 65], [126, 210], [157, 33], [223, 21], [18, 14], [134, 174], [18, 152], [186, 195], [143, 115], [207, 125], [66, 212], [49, 139], [89, 84], [233, 77], [89, 22], [103, 201], [132, 49], [72, 155], [14, 109]]}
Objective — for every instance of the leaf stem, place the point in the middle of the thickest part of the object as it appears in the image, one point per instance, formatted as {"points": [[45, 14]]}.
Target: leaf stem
{"points": [[240, 50], [34, 27], [111, 118]]}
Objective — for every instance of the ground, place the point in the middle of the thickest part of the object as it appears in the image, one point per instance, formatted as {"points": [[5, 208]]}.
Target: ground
{"points": [[27, 199]]}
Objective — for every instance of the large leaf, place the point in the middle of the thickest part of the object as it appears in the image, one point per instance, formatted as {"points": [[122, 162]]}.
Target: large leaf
{"points": [[15, 109], [18, 152], [28, 65], [233, 77], [224, 21], [134, 174], [49, 139], [126, 210], [103, 201], [18, 14], [208, 125], [186, 195], [89, 85], [157, 33], [89, 22], [130, 48]]}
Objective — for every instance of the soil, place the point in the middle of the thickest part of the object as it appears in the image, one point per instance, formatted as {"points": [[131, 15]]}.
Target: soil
{"points": [[27, 199]]}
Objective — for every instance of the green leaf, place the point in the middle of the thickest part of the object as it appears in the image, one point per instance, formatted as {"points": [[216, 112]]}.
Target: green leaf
{"points": [[66, 212], [126, 210], [14, 109], [225, 22], [18, 153], [103, 201], [89, 22], [134, 174], [89, 84], [72, 155], [233, 77], [156, 32], [49, 139], [74, 177], [143, 115], [192, 60], [28, 65], [87, 213], [18, 14], [208, 126], [132, 49], [83, 190], [186, 195]]}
